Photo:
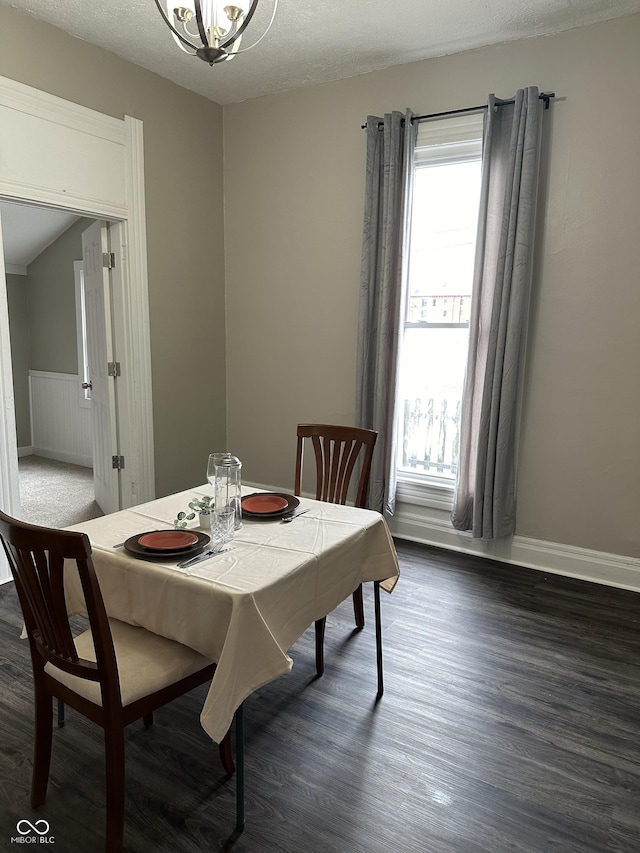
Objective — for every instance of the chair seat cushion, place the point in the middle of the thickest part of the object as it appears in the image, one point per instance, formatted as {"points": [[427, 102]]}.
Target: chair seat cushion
{"points": [[146, 663]]}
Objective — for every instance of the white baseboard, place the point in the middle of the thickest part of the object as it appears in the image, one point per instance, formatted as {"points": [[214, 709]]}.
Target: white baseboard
{"points": [[553, 557], [62, 456], [25, 451], [433, 527]]}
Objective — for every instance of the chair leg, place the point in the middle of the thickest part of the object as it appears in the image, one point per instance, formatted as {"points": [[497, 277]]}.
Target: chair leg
{"points": [[60, 714], [114, 762], [358, 608], [239, 717], [226, 754], [320, 623], [376, 601], [42, 747], [148, 720]]}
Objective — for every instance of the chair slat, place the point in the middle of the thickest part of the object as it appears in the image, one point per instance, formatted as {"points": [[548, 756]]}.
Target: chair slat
{"points": [[350, 460], [333, 450]]}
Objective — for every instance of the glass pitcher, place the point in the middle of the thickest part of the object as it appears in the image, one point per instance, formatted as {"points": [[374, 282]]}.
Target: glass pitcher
{"points": [[227, 483]]}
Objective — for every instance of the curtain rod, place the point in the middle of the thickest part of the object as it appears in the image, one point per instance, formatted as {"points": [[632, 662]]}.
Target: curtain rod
{"points": [[543, 96]]}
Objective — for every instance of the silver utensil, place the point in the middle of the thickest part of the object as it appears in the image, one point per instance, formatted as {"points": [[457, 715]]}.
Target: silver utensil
{"points": [[289, 518], [206, 555]]}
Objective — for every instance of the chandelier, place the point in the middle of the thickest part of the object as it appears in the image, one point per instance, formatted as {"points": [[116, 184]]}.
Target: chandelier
{"points": [[211, 29]]}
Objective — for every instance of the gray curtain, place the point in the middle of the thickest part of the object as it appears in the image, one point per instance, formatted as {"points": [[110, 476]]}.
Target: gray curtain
{"points": [[486, 486], [390, 145]]}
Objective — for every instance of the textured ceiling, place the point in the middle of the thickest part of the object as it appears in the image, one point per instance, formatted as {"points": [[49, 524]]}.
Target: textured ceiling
{"points": [[28, 230], [315, 41]]}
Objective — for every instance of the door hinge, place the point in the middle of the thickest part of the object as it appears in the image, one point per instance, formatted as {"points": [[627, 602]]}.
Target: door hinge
{"points": [[113, 368], [109, 260], [117, 462]]}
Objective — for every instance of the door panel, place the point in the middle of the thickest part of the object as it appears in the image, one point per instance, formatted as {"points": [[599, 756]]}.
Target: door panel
{"points": [[100, 352]]}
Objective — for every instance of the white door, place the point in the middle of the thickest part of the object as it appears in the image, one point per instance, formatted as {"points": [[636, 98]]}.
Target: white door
{"points": [[100, 351]]}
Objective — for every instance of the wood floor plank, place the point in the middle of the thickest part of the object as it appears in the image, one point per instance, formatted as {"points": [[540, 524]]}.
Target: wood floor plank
{"points": [[510, 724]]}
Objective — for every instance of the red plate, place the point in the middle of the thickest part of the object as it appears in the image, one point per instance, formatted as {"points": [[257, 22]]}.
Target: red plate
{"points": [[259, 504], [167, 540]]}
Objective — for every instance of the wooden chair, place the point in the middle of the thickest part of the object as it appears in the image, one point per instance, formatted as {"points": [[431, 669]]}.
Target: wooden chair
{"points": [[113, 673], [337, 450]]}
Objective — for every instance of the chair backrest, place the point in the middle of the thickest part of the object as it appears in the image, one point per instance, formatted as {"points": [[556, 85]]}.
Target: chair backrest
{"points": [[337, 449], [37, 560]]}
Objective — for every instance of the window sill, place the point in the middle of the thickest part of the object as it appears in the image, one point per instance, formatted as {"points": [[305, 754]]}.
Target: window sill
{"points": [[424, 491]]}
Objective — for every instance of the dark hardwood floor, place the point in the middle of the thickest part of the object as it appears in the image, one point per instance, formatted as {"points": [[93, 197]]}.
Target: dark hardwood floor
{"points": [[510, 722]]}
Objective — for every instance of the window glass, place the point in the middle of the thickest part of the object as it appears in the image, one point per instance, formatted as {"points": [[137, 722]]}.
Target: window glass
{"points": [[81, 330], [444, 218]]}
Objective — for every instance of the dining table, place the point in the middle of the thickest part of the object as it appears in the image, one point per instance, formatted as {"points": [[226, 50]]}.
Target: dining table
{"points": [[246, 606]]}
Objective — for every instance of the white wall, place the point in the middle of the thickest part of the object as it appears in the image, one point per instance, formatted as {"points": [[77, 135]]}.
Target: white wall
{"points": [[294, 180]]}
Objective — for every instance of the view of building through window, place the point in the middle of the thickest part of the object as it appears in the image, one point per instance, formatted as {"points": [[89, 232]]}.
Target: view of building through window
{"points": [[439, 289]]}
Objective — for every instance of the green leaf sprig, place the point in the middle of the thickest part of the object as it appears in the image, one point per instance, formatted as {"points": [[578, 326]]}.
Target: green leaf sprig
{"points": [[204, 506]]}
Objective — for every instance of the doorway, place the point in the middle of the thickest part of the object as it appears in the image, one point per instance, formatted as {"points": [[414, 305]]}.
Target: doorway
{"points": [[59, 155], [43, 252]]}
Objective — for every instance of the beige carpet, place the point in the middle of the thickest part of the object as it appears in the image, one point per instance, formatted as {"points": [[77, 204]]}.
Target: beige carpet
{"points": [[56, 494]]}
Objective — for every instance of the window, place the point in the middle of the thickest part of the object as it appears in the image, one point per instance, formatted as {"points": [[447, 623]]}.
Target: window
{"points": [[81, 332], [446, 194]]}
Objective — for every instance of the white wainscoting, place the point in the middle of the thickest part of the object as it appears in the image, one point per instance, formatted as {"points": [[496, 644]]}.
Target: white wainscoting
{"points": [[60, 426]]}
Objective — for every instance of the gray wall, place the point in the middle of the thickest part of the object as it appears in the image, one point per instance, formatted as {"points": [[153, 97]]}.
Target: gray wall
{"points": [[52, 303], [294, 180], [18, 300], [184, 208]]}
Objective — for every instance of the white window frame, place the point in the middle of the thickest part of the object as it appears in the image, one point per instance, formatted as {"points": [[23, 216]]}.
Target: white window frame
{"points": [[454, 139]]}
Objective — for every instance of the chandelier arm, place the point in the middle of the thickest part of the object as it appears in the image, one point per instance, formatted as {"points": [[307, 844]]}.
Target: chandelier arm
{"points": [[172, 28], [242, 27], [200, 22], [194, 36], [257, 41]]}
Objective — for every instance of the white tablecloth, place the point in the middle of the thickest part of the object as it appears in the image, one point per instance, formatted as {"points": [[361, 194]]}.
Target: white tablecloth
{"points": [[243, 609]]}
